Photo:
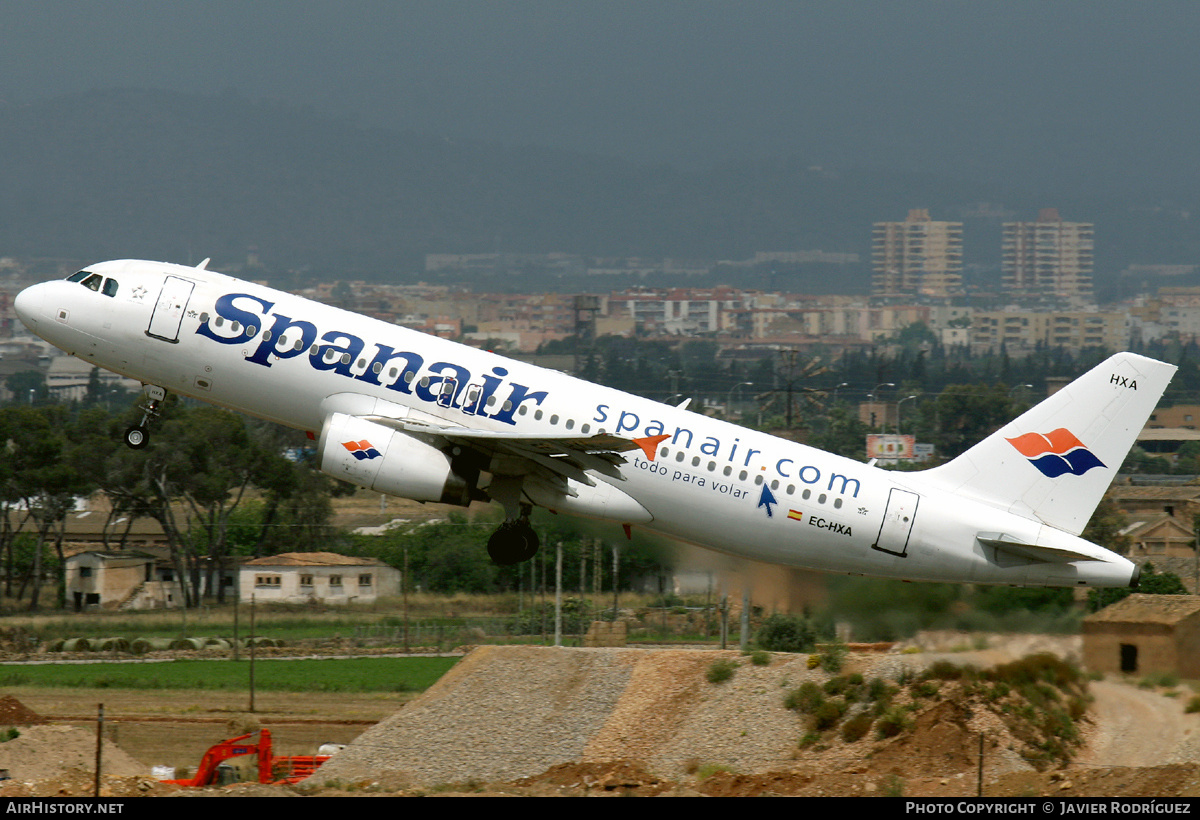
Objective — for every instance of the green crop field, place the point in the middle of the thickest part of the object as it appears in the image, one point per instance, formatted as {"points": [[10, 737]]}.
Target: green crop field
{"points": [[307, 675]]}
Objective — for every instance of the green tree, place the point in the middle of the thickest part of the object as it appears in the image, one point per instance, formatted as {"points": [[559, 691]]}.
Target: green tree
{"points": [[1106, 526], [442, 556], [1152, 583], [965, 414], [999, 600], [28, 387], [786, 633], [915, 335], [193, 478], [209, 459], [296, 508], [844, 434], [44, 452], [1143, 463]]}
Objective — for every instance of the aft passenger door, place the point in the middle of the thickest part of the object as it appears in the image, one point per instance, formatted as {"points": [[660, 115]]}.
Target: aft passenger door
{"points": [[169, 309], [897, 522]]}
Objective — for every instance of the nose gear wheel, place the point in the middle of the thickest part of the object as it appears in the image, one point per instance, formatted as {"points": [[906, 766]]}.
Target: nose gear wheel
{"points": [[138, 436]]}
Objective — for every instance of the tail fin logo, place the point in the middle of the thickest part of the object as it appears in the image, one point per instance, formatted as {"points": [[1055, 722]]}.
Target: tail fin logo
{"points": [[1056, 453], [361, 450]]}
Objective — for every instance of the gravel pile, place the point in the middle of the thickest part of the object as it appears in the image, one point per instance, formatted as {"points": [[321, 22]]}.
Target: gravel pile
{"points": [[501, 713], [509, 712], [506, 712]]}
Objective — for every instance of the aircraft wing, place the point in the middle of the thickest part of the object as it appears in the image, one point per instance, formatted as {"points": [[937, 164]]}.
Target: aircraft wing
{"points": [[567, 455], [565, 443]]}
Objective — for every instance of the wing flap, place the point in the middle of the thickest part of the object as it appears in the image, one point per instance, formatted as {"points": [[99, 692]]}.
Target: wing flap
{"points": [[564, 444], [566, 455]]}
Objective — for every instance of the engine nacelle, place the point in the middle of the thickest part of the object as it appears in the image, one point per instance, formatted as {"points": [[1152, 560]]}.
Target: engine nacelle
{"points": [[388, 461]]}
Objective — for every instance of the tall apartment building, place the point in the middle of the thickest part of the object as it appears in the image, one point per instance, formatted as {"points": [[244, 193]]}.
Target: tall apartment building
{"points": [[1048, 258], [917, 257]]}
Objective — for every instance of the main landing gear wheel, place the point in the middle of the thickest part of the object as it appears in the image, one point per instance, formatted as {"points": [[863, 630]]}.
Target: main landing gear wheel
{"points": [[137, 437], [512, 543]]}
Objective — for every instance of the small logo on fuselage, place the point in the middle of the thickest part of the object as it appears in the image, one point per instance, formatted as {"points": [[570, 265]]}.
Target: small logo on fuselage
{"points": [[1056, 453], [361, 450]]}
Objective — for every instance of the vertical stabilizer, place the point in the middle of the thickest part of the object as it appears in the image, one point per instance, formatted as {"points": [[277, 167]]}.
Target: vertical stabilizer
{"points": [[1054, 462]]}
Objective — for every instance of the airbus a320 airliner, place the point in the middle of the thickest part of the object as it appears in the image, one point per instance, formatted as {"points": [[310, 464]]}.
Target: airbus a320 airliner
{"points": [[412, 415]]}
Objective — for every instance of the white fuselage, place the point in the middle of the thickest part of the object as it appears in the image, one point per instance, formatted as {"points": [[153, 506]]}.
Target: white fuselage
{"points": [[294, 361]]}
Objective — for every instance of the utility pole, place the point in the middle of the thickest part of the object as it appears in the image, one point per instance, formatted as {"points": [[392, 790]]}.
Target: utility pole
{"points": [[744, 643], [252, 654], [404, 588], [99, 747], [558, 595], [789, 367], [614, 581]]}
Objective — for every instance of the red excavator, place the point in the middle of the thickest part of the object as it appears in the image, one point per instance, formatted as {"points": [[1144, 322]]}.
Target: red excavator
{"points": [[242, 760]]}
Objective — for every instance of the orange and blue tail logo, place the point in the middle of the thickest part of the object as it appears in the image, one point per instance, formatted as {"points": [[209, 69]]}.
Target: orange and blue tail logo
{"points": [[361, 449], [1056, 453]]}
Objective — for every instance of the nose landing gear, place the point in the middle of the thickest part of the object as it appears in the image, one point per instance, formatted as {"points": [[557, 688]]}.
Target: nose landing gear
{"points": [[138, 436]]}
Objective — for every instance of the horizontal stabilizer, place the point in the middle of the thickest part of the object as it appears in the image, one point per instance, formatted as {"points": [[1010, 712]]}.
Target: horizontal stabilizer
{"points": [[1034, 552]]}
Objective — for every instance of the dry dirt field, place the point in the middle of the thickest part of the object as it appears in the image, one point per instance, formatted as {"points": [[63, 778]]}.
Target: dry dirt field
{"points": [[554, 722], [167, 728]]}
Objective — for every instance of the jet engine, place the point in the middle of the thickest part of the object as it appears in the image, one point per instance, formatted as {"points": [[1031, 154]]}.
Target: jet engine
{"points": [[388, 461]]}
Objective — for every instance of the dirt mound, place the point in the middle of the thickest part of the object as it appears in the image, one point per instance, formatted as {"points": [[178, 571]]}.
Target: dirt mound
{"points": [[622, 777], [780, 784], [48, 752], [15, 713], [82, 784], [941, 738], [549, 720], [507, 713]]}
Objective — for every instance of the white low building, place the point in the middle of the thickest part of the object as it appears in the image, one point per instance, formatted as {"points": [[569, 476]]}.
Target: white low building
{"points": [[326, 577]]}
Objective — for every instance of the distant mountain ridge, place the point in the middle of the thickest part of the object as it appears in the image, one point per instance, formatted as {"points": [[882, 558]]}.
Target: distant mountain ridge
{"points": [[180, 177]]}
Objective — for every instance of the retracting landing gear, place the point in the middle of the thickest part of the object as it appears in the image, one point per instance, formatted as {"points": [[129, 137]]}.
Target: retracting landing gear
{"points": [[514, 541], [138, 436]]}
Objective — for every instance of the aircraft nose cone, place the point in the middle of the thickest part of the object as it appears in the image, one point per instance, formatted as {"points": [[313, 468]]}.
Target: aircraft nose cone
{"points": [[28, 305]]}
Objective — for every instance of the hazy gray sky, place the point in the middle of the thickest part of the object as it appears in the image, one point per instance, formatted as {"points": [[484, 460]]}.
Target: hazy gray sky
{"points": [[1089, 95]]}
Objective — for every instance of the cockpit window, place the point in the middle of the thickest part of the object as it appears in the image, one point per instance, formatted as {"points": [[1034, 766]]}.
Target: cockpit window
{"points": [[96, 282]]}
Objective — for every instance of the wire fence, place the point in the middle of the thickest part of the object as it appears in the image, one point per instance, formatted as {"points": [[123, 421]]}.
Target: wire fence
{"points": [[667, 624]]}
